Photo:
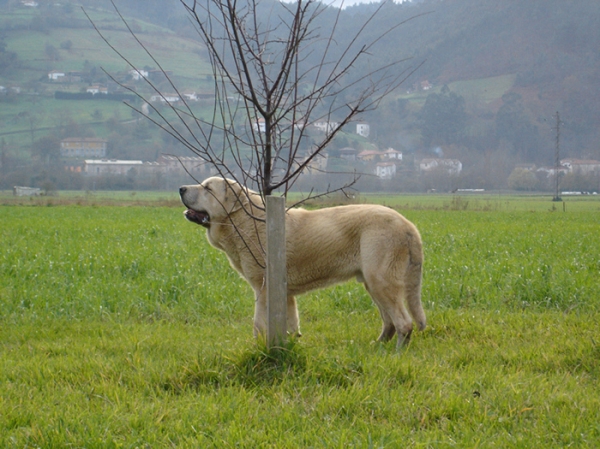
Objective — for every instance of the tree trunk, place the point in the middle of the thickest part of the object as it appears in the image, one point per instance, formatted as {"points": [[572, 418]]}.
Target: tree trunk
{"points": [[276, 272]]}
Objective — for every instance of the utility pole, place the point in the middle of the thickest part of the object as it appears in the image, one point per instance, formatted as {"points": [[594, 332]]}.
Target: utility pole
{"points": [[557, 159]]}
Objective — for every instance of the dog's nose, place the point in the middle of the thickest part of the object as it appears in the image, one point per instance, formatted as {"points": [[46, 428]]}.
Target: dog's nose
{"points": [[182, 190]]}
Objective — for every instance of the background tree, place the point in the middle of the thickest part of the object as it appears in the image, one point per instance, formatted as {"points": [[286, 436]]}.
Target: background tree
{"points": [[522, 179], [514, 127], [47, 150], [443, 118]]}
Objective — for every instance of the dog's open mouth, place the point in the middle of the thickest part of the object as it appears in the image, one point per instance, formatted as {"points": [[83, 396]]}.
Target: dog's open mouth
{"points": [[199, 217]]}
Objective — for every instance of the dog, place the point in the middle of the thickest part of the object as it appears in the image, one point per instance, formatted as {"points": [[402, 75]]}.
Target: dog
{"points": [[372, 243]]}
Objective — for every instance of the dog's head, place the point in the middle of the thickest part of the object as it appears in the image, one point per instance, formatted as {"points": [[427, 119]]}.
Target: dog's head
{"points": [[211, 201]]}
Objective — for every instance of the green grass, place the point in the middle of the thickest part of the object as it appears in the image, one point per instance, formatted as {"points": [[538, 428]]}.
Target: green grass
{"points": [[483, 89], [486, 202], [122, 327]]}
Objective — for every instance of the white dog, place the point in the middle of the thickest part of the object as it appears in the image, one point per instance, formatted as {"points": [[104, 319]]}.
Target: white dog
{"points": [[374, 244]]}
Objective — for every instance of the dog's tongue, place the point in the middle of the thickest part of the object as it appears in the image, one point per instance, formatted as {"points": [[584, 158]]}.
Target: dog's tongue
{"points": [[200, 218]]}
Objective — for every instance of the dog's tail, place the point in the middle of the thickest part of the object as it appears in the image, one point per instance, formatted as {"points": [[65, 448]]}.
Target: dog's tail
{"points": [[413, 278]]}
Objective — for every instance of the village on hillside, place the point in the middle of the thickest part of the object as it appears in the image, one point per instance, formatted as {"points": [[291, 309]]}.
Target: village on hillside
{"points": [[90, 156]]}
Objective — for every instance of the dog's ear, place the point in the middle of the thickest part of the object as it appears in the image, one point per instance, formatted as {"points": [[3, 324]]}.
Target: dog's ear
{"points": [[234, 195]]}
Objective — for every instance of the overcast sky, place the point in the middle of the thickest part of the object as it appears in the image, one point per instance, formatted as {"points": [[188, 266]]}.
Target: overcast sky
{"points": [[353, 2]]}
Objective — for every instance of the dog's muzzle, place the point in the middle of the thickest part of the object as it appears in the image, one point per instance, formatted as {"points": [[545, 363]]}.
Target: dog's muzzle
{"points": [[201, 218]]}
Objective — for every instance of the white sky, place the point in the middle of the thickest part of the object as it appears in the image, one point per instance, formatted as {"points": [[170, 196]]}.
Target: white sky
{"points": [[350, 2], [353, 2]]}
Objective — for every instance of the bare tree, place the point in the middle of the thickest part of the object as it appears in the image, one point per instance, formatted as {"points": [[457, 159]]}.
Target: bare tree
{"points": [[278, 69]]}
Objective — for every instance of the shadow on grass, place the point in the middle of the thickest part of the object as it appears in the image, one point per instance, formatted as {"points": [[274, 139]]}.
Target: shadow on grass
{"points": [[260, 366]]}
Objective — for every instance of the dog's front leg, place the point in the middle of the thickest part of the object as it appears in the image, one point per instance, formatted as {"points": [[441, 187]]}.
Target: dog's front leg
{"points": [[260, 313], [293, 321], [260, 316]]}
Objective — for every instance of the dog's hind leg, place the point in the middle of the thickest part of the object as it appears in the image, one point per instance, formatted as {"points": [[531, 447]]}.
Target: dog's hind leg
{"points": [[388, 295], [413, 294], [388, 330]]}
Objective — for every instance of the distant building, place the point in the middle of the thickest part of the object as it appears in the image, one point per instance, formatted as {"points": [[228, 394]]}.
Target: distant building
{"points": [[385, 170], [138, 74], [363, 129], [370, 155], [259, 125], [326, 127], [166, 165], [196, 166], [376, 155], [581, 166], [190, 96], [451, 166], [26, 191], [83, 147], [55, 75], [551, 171], [165, 98], [348, 153], [110, 167], [391, 154], [97, 89]]}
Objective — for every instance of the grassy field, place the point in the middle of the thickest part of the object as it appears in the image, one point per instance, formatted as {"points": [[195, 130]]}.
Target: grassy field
{"points": [[483, 89], [121, 327]]}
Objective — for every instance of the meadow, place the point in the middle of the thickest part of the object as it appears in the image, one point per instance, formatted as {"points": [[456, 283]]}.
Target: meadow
{"points": [[121, 327]]}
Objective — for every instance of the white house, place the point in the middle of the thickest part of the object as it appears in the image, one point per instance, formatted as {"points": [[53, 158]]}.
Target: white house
{"points": [[166, 98], [138, 74], [260, 125], [190, 96], [385, 170], [326, 127], [551, 171], [391, 154], [451, 166], [95, 167], [55, 75], [582, 166], [97, 89], [363, 129]]}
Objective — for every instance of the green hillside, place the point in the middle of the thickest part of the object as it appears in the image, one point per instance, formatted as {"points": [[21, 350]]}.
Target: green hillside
{"points": [[28, 35], [63, 39]]}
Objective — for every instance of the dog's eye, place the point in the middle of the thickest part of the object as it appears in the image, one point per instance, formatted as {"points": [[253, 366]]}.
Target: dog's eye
{"points": [[206, 187]]}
